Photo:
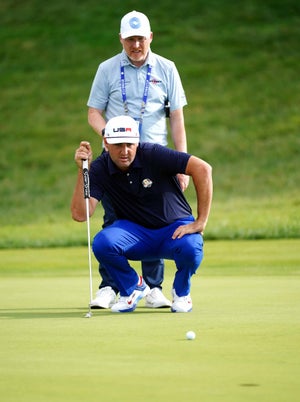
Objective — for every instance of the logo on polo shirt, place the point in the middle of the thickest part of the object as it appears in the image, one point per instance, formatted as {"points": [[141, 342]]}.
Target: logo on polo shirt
{"points": [[155, 81], [147, 183]]}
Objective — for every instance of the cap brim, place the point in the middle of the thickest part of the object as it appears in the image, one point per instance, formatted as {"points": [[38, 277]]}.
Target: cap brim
{"points": [[122, 140], [135, 32]]}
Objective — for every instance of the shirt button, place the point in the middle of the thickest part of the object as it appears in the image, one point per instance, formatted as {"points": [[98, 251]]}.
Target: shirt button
{"points": [[130, 182]]}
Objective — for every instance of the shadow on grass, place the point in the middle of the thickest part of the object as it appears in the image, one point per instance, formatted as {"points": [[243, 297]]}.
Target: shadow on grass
{"points": [[33, 313], [37, 313]]}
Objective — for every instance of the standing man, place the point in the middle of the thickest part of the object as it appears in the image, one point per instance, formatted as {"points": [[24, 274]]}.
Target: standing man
{"points": [[154, 220], [147, 87]]}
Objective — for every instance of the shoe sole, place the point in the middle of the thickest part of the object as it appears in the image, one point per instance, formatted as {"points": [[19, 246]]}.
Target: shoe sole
{"points": [[96, 307], [148, 305], [102, 307], [181, 311], [128, 310]]}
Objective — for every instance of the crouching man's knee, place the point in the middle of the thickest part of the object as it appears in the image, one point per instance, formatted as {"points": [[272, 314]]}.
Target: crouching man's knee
{"points": [[190, 251], [102, 245]]}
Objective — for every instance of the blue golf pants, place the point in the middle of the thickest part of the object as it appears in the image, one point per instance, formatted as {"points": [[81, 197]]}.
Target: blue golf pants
{"points": [[152, 271], [124, 240]]}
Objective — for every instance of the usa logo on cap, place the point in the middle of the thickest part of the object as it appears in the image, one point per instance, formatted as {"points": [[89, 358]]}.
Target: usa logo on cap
{"points": [[135, 23]]}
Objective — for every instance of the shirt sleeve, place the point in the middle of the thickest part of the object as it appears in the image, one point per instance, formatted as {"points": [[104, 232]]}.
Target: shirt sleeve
{"points": [[176, 93], [99, 93], [167, 160], [96, 188]]}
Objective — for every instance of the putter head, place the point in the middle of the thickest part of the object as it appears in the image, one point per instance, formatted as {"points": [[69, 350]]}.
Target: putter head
{"points": [[88, 315]]}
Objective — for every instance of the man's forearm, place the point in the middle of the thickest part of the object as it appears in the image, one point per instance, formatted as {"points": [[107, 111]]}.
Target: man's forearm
{"points": [[178, 133], [201, 173], [96, 120], [78, 207], [204, 197]]}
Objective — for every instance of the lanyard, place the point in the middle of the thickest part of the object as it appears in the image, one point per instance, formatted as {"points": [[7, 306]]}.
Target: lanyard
{"points": [[145, 94]]}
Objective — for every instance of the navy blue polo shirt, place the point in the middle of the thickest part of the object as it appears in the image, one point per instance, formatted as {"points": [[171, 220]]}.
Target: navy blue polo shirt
{"points": [[148, 193]]}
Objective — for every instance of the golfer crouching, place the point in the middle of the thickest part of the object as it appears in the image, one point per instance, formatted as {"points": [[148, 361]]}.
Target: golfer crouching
{"points": [[154, 218]]}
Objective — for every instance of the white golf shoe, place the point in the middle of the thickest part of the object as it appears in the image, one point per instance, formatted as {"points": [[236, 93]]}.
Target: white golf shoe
{"points": [[105, 298], [181, 304], [126, 304], [156, 299]]}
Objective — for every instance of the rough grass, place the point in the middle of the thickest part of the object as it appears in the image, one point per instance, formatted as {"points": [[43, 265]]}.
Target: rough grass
{"points": [[239, 66]]}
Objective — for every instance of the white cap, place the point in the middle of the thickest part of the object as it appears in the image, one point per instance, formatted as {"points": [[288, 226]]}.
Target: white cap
{"points": [[135, 24], [122, 129]]}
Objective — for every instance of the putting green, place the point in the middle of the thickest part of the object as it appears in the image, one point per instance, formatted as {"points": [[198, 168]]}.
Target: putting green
{"points": [[246, 320]]}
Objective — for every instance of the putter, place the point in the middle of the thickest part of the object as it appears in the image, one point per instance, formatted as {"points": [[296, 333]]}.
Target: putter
{"points": [[86, 190]]}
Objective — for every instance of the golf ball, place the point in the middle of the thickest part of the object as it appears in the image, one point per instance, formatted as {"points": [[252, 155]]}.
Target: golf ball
{"points": [[190, 335]]}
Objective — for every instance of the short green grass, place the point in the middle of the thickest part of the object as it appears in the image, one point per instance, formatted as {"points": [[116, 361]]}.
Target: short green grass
{"points": [[246, 311]]}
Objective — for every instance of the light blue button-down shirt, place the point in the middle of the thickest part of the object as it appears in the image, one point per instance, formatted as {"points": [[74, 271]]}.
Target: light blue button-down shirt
{"points": [[165, 83]]}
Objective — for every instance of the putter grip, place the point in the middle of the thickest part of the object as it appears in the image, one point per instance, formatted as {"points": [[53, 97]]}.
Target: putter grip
{"points": [[86, 180]]}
